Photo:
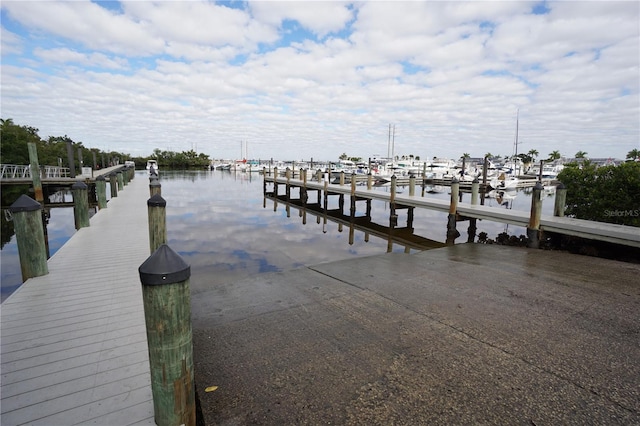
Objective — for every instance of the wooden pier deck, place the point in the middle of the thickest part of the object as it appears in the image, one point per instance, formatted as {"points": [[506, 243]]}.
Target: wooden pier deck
{"points": [[613, 233], [74, 346]]}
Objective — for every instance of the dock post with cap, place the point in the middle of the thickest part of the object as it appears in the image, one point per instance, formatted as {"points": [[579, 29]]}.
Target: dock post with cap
{"points": [[167, 311], [27, 223]]}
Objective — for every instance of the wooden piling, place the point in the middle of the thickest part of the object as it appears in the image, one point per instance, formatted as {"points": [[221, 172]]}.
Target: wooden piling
{"points": [[412, 185], [392, 195], [369, 181], [533, 230], [101, 192], [120, 181], [352, 199], [167, 311], [113, 185], [156, 207], [342, 178], [155, 187], [80, 204], [35, 172], [471, 230], [560, 201], [29, 230], [452, 232]]}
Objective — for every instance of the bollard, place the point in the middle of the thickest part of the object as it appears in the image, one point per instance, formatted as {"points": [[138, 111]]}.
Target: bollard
{"points": [[561, 200], [155, 187], [533, 230], [157, 214], [412, 185], [167, 313], [80, 204], [120, 181], [113, 184], [27, 223], [452, 232], [101, 192]]}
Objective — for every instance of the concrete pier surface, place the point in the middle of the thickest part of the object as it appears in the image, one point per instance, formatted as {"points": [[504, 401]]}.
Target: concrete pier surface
{"points": [[469, 334]]}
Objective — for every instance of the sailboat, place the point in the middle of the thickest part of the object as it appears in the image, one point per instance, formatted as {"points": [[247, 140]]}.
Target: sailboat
{"points": [[508, 178]]}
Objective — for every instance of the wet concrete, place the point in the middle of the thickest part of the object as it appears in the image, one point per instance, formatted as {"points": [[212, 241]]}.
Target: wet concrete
{"points": [[470, 334]]}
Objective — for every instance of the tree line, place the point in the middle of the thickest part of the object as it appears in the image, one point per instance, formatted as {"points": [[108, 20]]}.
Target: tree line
{"points": [[52, 151]]}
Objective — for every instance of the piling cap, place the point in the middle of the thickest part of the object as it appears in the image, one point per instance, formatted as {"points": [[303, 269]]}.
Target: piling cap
{"points": [[154, 182], [100, 178], [24, 204], [561, 186], [79, 185], [156, 201], [164, 266], [538, 186]]}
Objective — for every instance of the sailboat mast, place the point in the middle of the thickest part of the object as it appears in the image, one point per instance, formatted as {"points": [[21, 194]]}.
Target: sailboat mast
{"points": [[515, 159]]}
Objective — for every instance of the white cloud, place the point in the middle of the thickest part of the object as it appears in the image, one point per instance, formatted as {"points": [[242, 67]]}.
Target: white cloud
{"points": [[450, 75]]}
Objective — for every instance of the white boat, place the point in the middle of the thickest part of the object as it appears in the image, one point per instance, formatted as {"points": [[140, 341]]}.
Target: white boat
{"points": [[152, 167]]}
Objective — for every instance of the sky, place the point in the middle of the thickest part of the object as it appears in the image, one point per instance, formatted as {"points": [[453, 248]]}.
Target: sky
{"points": [[296, 80]]}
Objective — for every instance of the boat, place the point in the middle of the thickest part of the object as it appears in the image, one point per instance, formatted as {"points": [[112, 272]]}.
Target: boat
{"points": [[152, 167]]}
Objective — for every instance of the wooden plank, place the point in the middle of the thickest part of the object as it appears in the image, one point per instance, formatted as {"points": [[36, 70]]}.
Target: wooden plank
{"points": [[74, 345]]}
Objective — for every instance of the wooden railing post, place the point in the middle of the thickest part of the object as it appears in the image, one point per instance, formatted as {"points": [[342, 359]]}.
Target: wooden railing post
{"points": [[101, 192], [533, 230], [27, 223], [452, 232], [167, 312], [80, 204], [560, 201], [157, 214]]}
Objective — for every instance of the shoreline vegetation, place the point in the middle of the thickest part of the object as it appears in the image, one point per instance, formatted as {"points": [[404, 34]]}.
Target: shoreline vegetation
{"points": [[609, 193]]}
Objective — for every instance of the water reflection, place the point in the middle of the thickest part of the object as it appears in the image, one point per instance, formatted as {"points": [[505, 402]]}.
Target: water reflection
{"points": [[219, 222]]}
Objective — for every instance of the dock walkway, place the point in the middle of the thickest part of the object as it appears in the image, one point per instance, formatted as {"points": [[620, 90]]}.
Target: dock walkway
{"points": [[613, 233], [74, 346]]}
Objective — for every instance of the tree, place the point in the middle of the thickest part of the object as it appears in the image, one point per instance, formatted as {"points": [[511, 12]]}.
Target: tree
{"points": [[634, 154], [466, 155], [344, 156], [581, 154], [533, 153], [554, 155], [605, 194]]}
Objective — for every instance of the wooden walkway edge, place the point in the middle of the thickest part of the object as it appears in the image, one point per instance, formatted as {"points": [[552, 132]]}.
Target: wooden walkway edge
{"points": [[74, 345]]}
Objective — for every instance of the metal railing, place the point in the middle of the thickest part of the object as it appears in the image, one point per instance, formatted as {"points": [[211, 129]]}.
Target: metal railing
{"points": [[14, 171]]}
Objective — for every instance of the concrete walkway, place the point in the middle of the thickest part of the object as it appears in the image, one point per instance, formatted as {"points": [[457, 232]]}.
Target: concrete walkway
{"points": [[470, 334]]}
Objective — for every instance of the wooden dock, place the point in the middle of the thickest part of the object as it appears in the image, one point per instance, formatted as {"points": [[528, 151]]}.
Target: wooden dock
{"points": [[613, 233], [74, 346]]}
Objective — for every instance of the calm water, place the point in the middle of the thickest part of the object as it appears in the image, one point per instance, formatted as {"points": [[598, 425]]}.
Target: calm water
{"points": [[220, 223]]}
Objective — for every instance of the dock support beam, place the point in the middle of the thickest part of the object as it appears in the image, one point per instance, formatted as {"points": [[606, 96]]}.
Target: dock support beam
{"points": [[533, 230], [167, 312], [27, 223], [80, 204]]}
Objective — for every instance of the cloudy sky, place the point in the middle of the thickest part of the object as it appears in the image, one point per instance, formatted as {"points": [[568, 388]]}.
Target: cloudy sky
{"points": [[302, 79]]}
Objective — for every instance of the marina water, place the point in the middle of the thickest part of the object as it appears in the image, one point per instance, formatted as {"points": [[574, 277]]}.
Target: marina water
{"points": [[221, 224]]}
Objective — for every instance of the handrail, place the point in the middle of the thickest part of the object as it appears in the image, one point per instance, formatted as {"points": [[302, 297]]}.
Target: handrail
{"points": [[15, 171]]}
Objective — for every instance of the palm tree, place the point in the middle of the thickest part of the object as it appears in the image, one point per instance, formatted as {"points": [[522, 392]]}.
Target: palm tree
{"points": [[554, 155], [581, 154], [533, 153], [634, 154]]}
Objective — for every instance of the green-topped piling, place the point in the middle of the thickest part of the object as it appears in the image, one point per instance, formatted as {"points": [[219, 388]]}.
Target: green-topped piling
{"points": [[167, 311], [80, 204], [29, 230], [157, 214], [101, 192]]}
